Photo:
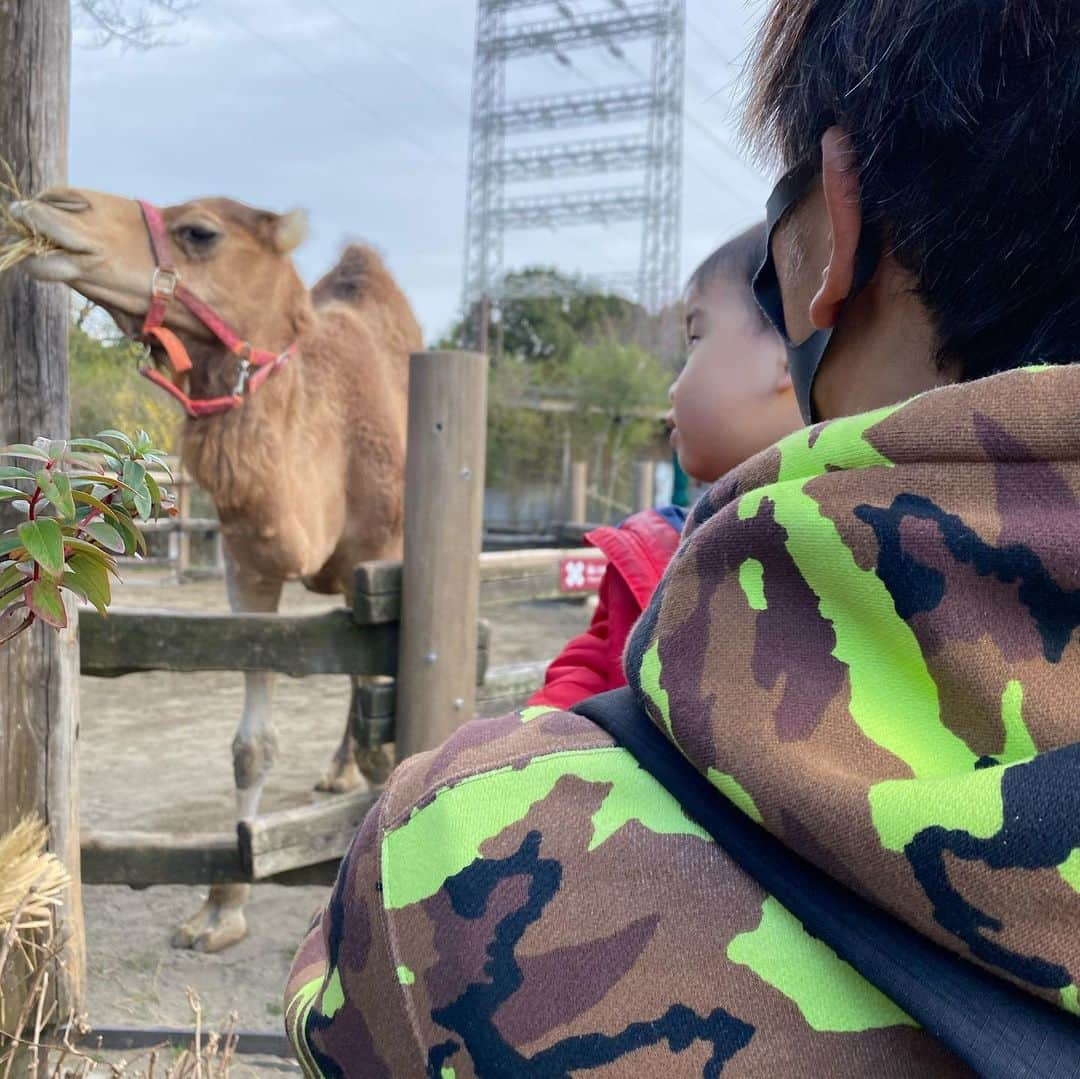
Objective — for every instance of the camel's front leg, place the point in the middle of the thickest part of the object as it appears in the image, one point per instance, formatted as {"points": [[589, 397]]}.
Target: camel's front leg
{"points": [[220, 921]]}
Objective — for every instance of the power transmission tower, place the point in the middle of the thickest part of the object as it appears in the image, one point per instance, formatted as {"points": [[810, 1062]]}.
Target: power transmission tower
{"points": [[648, 113]]}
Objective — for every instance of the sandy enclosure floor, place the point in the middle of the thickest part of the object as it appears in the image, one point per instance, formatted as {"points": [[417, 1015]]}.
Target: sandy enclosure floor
{"points": [[155, 756]]}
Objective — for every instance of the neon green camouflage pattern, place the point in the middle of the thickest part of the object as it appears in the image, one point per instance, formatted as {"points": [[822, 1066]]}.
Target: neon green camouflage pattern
{"points": [[867, 643]]}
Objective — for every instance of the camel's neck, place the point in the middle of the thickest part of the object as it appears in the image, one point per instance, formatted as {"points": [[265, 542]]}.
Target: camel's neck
{"points": [[231, 453]]}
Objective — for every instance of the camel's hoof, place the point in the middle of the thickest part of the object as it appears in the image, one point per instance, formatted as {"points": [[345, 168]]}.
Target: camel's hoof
{"points": [[185, 935], [211, 930], [375, 764], [230, 928], [342, 777]]}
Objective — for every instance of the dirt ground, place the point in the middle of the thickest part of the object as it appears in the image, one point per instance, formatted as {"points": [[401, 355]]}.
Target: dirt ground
{"points": [[155, 756]]}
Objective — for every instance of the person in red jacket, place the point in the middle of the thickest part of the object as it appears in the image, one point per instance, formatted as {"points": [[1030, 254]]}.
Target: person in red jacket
{"points": [[732, 399]]}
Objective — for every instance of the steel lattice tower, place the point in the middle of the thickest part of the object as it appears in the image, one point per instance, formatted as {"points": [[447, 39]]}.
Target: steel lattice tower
{"points": [[653, 104]]}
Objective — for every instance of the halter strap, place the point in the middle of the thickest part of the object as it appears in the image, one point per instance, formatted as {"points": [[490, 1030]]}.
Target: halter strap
{"points": [[165, 286]]}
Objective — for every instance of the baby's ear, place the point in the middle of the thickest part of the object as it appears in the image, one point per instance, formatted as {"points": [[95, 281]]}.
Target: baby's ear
{"points": [[290, 231], [783, 377]]}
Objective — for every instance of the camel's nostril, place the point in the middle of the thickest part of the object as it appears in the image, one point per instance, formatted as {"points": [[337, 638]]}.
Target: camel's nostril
{"points": [[65, 199]]}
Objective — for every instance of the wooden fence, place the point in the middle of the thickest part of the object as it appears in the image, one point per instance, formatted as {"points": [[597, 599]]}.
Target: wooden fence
{"points": [[301, 845], [407, 628]]}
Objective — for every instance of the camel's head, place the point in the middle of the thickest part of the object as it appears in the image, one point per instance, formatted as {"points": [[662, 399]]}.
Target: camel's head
{"points": [[234, 258]]}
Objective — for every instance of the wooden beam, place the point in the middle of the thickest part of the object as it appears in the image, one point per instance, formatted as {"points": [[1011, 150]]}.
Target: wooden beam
{"points": [[263, 1043], [506, 577], [145, 859], [130, 640], [504, 689], [307, 835], [39, 672], [141, 859]]}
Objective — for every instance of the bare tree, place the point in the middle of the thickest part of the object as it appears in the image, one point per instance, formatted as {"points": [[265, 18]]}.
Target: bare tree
{"points": [[133, 25]]}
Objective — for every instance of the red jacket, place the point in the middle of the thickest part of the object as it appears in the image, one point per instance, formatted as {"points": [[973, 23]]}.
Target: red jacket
{"points": [[638, 552]]}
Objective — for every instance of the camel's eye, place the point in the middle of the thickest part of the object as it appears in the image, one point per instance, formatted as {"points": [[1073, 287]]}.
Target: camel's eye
{"points": [[197, 235]]}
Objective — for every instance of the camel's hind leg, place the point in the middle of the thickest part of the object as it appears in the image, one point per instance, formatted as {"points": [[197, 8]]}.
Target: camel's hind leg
{"points": [[220, 921], [355, 766]]}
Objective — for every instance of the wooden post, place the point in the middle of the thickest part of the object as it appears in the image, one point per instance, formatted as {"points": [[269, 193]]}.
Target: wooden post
{"points": [[39, 671], [578, 495], [444, 504], [644, 485]]}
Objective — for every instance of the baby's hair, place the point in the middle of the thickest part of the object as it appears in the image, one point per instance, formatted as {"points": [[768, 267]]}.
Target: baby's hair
{"points": [[737, 261]]}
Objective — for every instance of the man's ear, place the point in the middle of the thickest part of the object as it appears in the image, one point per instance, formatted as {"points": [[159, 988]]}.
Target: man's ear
{"points": [[840, 183]]}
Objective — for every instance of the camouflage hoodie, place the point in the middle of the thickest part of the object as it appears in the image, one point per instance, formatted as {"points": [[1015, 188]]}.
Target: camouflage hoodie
{"points": [[867, 643]]}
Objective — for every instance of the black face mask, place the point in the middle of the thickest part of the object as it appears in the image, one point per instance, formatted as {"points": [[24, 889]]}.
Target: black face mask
{"points": [[805, 358]]}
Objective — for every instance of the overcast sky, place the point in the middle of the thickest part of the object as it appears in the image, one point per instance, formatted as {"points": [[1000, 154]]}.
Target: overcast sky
{"points": [[358, 110]]}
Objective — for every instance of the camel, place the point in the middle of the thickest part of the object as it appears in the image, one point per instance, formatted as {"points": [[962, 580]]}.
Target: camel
{"points": [[304, 459]]}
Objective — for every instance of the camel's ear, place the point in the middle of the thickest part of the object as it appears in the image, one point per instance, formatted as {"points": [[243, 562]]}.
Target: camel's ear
{"points": [[290, 231]]}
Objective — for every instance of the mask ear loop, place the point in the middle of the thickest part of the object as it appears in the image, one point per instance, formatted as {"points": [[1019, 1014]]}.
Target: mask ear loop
{"points": [[805, 359]]}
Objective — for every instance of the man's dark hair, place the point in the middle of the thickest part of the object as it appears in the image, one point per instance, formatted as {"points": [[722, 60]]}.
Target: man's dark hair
{"points": [[964, 117], [736, 261]]}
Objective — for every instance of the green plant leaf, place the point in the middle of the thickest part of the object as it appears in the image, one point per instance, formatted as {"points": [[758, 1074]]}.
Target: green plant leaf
{"points": [[93, 445], [158, 461], [135, 478], [80, 545], [56, 487], [120, 437], [19, 449], [44, 543], [155, 491], [8, 493], [90, 580], [134, 542], [10, 543], [104, 534], [87, 499], [13, 472], [44, 599], [10, 580]]}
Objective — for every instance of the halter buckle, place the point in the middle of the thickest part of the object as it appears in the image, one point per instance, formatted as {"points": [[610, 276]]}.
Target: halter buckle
{"points": [[163, 283], [242, 378]]}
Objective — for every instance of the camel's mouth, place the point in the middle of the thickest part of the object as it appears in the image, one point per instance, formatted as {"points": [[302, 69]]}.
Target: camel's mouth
{"points": [[51, 222]]}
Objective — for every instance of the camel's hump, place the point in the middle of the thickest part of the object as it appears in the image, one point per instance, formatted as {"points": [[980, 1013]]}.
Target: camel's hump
{"points": [[359, 275]]}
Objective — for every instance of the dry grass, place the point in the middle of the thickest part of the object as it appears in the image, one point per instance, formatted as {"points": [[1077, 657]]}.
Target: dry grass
{"points": [[18, 240], [32, 883]]}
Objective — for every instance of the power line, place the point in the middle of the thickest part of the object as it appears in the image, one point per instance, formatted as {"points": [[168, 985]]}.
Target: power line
{"points": [[436, 91], [270, 43]]}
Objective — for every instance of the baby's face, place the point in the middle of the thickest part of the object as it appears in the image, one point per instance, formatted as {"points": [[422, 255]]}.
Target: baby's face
{"points": [[733, 397]]}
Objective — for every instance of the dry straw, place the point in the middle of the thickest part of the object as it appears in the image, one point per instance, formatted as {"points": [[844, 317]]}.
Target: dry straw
{"points": [[32, 883], [18, 240], [32, 886]]}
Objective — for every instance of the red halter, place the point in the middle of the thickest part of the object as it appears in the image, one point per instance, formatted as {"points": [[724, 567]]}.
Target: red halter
{"points": [[165, 286]]}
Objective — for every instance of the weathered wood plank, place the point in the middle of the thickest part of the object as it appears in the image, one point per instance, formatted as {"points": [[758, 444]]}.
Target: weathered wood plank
{"points": [[264, 1043], [509, 687], [141, 859], [505, 577], [127, 641], [145, 859], [504, 689], [300, 837], [39, 716]]}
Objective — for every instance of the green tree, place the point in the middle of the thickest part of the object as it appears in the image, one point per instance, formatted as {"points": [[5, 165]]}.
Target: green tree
{"points": [[545, 314], [107, 389]]}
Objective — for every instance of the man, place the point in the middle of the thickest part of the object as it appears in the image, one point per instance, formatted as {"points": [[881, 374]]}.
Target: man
{"points": [[866, 642]]}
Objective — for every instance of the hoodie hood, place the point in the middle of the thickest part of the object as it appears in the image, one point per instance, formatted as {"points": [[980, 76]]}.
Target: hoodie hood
{"points": [[868, 642]]}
